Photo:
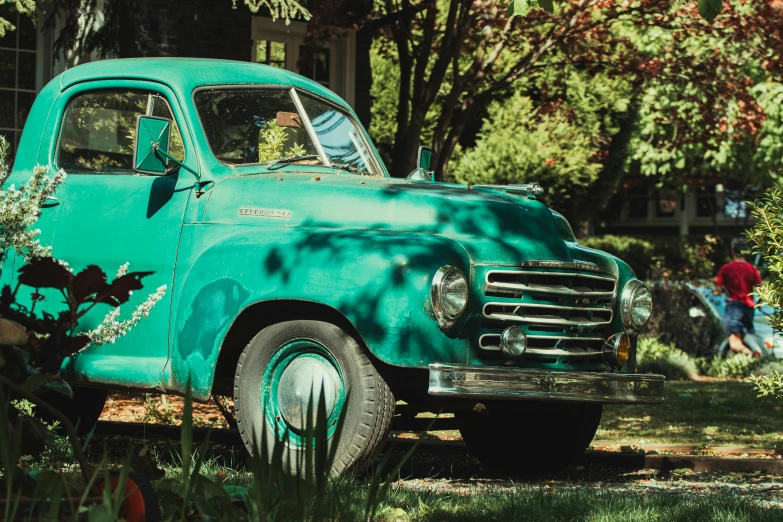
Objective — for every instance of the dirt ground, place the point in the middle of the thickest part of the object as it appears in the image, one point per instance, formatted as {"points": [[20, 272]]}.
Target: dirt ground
{"points": [[155, 408]]}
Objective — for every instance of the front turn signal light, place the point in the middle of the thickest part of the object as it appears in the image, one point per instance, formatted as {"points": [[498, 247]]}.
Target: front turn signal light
{"points": [[617, 350]]}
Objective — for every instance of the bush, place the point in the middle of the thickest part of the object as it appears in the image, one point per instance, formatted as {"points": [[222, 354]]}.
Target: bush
{"points": [[653, 356], [737, 366], [635, 251], [671, 322], [667, 258], [769, 384], [766, 236], [769, 379], [768, 369]]}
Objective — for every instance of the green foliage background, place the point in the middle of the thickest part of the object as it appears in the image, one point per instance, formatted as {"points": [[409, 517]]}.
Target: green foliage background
{"points": [[580, 129], [561, 145]]}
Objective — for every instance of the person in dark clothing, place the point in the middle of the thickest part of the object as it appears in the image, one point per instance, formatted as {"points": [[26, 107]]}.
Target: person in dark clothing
{"points": [[738, 278]]}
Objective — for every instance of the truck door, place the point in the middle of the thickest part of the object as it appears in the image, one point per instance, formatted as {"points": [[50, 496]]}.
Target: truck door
{"points": [[108, 215]]}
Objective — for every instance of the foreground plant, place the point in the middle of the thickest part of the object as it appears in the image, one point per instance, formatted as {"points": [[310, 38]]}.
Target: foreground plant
{"points": [[55, 338], [767, 238], [33, 345]]}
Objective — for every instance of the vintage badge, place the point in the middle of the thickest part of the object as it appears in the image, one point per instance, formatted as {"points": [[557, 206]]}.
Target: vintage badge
{"points": [[265, 212]]}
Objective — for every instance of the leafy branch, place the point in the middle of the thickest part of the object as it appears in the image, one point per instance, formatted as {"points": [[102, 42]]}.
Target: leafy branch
{"points": [[708, 9]]}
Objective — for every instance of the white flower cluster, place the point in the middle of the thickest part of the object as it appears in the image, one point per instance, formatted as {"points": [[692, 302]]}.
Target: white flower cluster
{"points": [[20, 208], [122, 270], [111, 329], [19, 211]]}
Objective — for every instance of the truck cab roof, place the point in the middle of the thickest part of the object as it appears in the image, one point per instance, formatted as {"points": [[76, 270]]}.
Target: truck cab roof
{"points": [[186, 74]]}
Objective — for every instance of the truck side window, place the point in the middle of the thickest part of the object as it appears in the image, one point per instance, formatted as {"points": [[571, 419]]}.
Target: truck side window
{"points": [[98, 131]]}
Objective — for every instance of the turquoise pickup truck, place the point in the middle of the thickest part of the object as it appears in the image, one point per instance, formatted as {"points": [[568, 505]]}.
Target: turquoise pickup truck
{"points": [[299, 273]]}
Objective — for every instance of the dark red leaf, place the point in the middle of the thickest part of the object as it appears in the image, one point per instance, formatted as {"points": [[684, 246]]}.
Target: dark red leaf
{"points": [[45, 272], [91, 280], [118, 292], [72, 345]]}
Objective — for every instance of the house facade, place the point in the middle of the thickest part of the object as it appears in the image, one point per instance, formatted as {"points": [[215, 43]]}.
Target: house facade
{"points": [[640, 209], [184, 28]]}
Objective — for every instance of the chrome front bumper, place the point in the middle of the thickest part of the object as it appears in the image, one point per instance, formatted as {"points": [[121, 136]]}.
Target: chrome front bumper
{"points": [[482, 382]]}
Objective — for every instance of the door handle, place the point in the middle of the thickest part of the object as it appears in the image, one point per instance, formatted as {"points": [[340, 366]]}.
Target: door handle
{"points": [[50, 201], [51, 198]]}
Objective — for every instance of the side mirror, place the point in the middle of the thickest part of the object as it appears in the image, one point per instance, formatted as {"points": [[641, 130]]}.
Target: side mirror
{"points": [[153, 135], [419, 175], [423, 162], [424, 158]]}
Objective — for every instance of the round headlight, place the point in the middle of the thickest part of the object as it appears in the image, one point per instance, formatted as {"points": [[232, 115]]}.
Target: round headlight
{"points": [[636, 305], [449, 292]]}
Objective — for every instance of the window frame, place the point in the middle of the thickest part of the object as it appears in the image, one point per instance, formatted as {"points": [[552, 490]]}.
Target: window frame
{"points": [[144, 89], [14, 131], [379, 170]]}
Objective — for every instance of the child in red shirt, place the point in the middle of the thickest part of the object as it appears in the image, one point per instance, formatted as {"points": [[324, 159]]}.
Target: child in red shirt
{"points": [[739, 278]]}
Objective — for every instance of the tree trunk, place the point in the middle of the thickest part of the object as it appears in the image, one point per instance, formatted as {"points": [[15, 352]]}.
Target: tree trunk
{"points": [[406, 147], [126, 35]]}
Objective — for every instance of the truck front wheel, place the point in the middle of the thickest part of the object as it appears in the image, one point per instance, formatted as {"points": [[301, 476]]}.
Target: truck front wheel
{"points": [[279, 378], [528, 437]]}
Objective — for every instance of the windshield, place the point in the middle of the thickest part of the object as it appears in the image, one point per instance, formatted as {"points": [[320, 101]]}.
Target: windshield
{"points": [[263, 126]]}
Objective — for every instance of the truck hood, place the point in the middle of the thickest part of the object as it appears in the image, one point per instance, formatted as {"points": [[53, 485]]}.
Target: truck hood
{"points": [[495, 228]]}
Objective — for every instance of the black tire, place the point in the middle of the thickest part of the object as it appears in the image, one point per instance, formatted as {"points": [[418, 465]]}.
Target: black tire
{"points": [[528, 437], [82, 410], [367, 413]]}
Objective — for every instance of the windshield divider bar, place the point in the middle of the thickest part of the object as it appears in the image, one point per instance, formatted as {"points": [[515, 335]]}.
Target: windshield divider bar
{"points": [[310, 128]]}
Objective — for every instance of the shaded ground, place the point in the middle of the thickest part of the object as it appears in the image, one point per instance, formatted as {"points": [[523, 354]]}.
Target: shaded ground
{"points": [[762, 490], [437, 487], [702, 413], [441, 487]]}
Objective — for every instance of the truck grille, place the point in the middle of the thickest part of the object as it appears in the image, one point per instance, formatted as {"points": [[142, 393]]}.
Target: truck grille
{"points": [[566, 315]]}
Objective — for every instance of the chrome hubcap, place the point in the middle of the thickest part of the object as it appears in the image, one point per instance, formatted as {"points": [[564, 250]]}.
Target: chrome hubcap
{"points": [[303, 379]]}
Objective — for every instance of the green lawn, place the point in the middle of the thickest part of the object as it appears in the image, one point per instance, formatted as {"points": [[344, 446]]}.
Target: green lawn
{"points": [[582, 506], [702, 413], [573, 496], [446, 488]]}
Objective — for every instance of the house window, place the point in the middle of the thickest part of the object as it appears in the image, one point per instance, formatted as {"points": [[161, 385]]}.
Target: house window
{"points": [[637, 203], [317, 67], [706, 203], [271, 53], [332, 65], [734, 205], [17, 76]]}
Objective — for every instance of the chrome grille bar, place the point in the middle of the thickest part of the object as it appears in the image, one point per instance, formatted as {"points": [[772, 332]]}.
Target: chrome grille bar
{"points": [[546, 319], [553, 351], [580, 283], [569, 301], [607, 278]]}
